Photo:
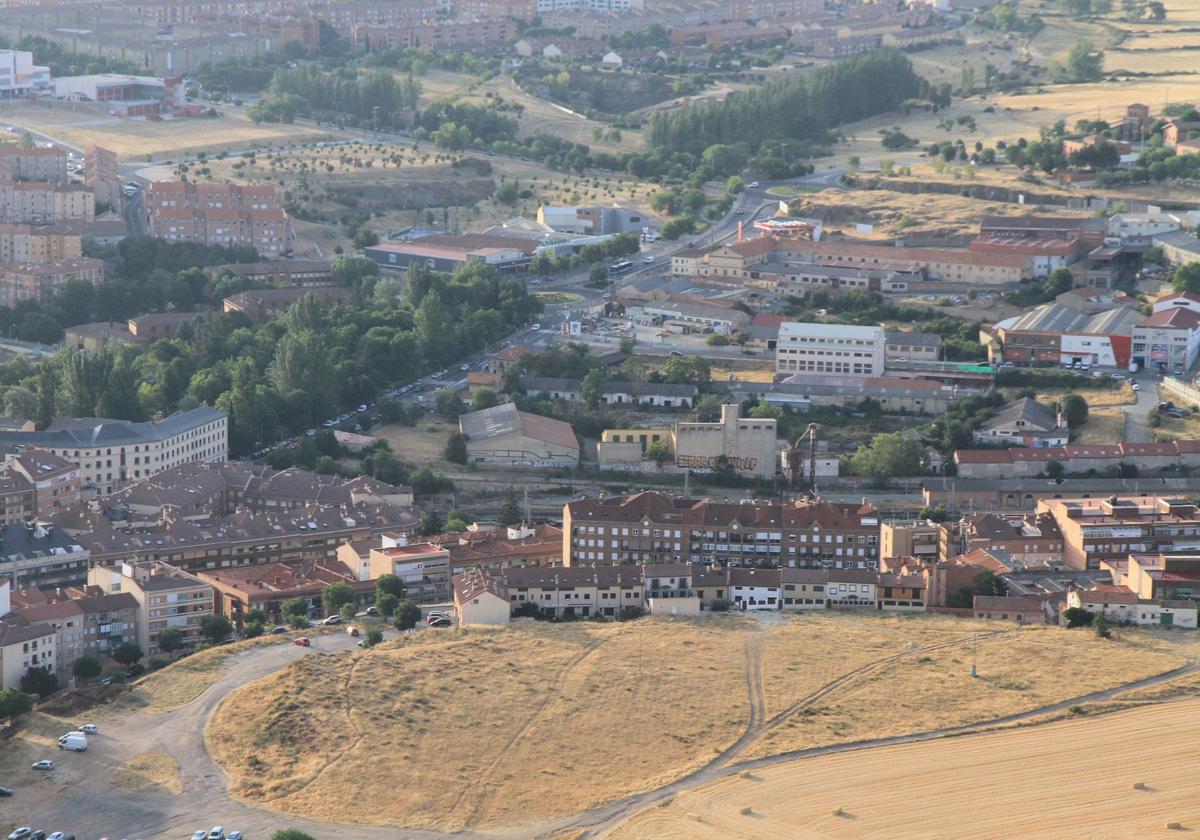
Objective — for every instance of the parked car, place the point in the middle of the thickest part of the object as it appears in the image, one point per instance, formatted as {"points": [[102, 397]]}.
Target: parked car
{"points": [[61, 835], [278, 630], [302, 642], [5, 792], [20, 833], [234, 835], [88, 728], [104, 681], [333, 619], [438, 621], [217, 833], [536, 327], [1136, 386], [44, 764], [351, 630], [199, 835]]}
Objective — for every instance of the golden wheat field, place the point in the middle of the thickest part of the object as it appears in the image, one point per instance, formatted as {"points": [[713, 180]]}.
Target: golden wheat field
{"points": [[1073, 778]]}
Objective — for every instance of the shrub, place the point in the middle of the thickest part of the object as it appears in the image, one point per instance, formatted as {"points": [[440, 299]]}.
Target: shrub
{"points": [[719, 605], [157, 662]]}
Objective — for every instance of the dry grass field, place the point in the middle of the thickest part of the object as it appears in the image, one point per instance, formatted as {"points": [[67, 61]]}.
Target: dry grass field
{"points": [[148, 772], [493, 710], [86, 125], [424, 443], [566, 717], [1106, 417], [185, 680], [1073, 778]]}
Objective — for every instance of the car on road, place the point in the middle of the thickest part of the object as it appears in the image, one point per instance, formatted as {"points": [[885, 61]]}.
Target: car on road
{"points": [[754, 184], [648, 260], [302, 642], [675, 353], [464, 367], [278, 630], [536, 327], [1136, 386], [44, 764], [1118, 375], [739, 212], [331, 620], [367, 611]]}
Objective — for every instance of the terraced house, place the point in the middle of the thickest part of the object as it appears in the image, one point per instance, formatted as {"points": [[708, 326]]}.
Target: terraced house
{"points": [[657, 528]]}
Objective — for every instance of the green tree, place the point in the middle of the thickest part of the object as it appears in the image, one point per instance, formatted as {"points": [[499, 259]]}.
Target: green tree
{"points": [[1078, 617], [1084, 62], [374, 636], [304, 374], [1060, 280], [432, 523], [449, 404], [456, 448], [1187, 278], [1100, 625], [687, 370], [436, 335], [86, 668], [988, 582], [657, 452], [484, 398], [216, 628], [407, 615], [14, 703], [335, 595], [390, 584], [295, 608], [735, 185], [510, 509], [1075, 408], [170, 640], [291, 834], [598, 273], [347, 612], [127, 653], [252, 614], [888, 456], [39, 681], [1054, 469], [592, 389], [253, 629], [386, 603]]}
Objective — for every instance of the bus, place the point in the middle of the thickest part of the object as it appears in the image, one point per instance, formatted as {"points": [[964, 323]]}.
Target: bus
{"points": [[619, 268]]}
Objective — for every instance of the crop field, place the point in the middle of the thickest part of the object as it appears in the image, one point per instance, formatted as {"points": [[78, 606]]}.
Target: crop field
{"points": [[572, 716], [86, 125], [424, 443], [1074, 778]]}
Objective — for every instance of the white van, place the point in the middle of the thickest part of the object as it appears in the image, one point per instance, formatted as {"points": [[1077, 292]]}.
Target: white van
{"points": [[75, 741]]}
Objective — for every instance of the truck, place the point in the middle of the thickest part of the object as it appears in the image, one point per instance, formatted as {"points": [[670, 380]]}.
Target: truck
{"points": [[75, 741]]}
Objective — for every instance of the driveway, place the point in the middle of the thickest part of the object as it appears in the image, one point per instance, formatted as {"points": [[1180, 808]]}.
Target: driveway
{"points": [[1137, 415]]}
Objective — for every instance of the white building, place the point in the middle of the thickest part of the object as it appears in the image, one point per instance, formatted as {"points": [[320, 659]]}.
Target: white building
{"points": [[1141, 227], [830, 348], [19, 76], [22, 648], [112, 452], [754, 589]]}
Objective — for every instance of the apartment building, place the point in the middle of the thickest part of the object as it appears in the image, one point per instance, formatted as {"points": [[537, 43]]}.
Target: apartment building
{"points": [[1108, 530], [478, 35], [219, 214], [841, 349], [653, 528], [266, 587], [37, 554], [918, 538], [112, 452], [166, 598], [1121, 604], [46, 203], [85, 624], [54, 481], [18, 499], [23, 647], [39, 243], [102, 175], [39, 163], [41, 282], [1024, 540]]}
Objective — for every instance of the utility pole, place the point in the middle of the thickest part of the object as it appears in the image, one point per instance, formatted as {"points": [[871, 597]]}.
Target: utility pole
{"points": [[974, 654]]}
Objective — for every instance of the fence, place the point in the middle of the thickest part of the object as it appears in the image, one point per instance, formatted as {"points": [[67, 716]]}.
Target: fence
{"points": [[1179, 391]]}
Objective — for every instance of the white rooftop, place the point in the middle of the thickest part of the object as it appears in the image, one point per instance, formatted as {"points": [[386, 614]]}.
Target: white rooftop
{"points": [[790, 328]]}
